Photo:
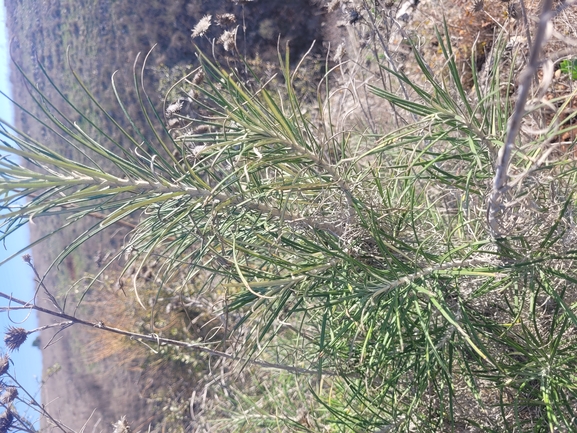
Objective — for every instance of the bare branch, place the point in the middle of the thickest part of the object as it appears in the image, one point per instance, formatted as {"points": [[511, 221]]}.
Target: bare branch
{"points": [[514, 124]]}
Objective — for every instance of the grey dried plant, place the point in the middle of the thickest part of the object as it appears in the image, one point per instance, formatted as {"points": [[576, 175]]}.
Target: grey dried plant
{"points": [[121, 426], [478, 5], [228, 39], [202, 26], [6, 420], [225, 20], [9, 395], [174, 108], [178, 106], [514, 10], [4, 364], [196, 81], [198, 78]]}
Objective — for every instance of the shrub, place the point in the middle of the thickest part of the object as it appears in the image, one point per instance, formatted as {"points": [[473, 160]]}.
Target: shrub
{"points": [[371, 265]]}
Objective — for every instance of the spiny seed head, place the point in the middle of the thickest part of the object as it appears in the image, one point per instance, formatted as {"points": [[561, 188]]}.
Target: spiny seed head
{"points": [[15, 337], [202, 27], [9, 395], [4, 364], [6, 421], [225, 20], [121, 426], [228, 40]]}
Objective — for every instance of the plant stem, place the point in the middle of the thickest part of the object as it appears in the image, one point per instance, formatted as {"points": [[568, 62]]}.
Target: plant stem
{"points": [[166, 341]]}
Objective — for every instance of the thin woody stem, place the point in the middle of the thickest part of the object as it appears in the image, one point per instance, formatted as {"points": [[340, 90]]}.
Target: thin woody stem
{"points": [[41, 284], [514, 124], [165, 341], [34, 403]]}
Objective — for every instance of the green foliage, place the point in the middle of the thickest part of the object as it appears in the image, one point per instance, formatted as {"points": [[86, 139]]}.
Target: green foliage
{"points": [[364, 258], [569, 67]]}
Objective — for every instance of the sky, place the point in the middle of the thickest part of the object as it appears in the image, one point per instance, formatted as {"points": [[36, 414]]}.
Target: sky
{"points": [[15, 276]]}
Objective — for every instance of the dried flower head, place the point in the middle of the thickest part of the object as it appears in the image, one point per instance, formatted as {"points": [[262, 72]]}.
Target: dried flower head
{"points": [[225, 20], [198, 78], [27, 258], [9, 395], [174, 108], [121, 426], [15, 337], [228, 40], [478, 5], [4, 364], [6, 421], [202, 27], [514, 10]]}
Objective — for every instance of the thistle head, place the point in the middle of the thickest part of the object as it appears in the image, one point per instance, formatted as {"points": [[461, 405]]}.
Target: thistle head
{"points": [[6, 420], [9, 395], [120, 426], [225, 20], [202, 26], [15, 337], [4, 364], [228, 40]]}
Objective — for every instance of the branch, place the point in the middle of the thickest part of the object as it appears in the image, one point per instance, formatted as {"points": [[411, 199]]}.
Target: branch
{"points": [[166, 341], [514, 124]]}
